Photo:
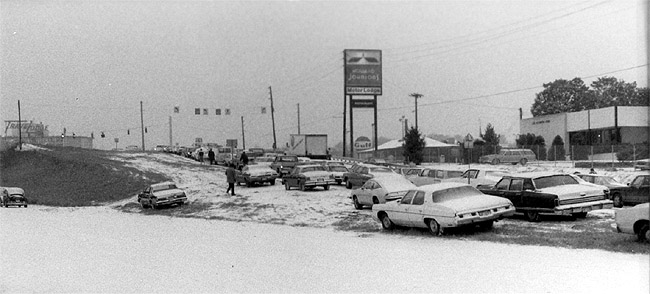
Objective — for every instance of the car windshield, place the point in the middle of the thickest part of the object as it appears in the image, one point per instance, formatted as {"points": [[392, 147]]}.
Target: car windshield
{"points": [[605, 181], [455, 193], [164, 187], [552, 181], [258, 168], [311, 168], [337, 168]]}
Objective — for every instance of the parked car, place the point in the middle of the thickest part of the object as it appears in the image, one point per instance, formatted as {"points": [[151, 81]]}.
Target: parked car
{"points": [[435, 175], [13, 196], [381, 189], [161, 194], [634, 220], [264, 160], [513, 156], [307, 177], [410, 171], [256, 174], [616, 189], [636, 192], [376, 161], [443, 205], [132, 148], [337, 172], [475, 177], [642, 164], [283, 164], [359, 173], [537, 193]]}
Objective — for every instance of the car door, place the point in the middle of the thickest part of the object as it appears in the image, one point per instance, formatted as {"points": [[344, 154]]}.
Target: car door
{"points": [[639, 191], [415, 210], [365, 193], [291, 178], [515, 193], [400, 215]]}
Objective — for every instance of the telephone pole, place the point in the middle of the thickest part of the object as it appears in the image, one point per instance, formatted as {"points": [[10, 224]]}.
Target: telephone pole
{"points": [[141, 126], [298, 118], [275, 142], [416, 96], [243, 139], [20, 129]]}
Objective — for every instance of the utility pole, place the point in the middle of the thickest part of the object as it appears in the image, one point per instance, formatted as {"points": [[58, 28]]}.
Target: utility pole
{"points": [[416, 96], [20, 129], [170, 131], [298, 118], [275, 142], [141, 126], [243, 139]]}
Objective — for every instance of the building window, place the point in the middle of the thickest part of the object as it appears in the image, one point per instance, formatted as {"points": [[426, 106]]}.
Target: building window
{"points": [[197, 111], [205, 111], [227, 111], [218, 112]]}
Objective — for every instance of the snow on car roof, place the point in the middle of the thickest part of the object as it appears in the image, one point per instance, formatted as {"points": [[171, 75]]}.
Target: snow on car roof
{"points": [[441, 186], [536, 174], [14, 190]]}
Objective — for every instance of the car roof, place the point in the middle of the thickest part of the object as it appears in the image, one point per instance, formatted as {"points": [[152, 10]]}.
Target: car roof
{"points": [[440, 186], [536, 174], [13, 190], [163, 184]]}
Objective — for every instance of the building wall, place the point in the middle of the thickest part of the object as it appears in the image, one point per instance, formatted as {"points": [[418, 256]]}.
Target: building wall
{"points": [[547, 126], [634, 135]]}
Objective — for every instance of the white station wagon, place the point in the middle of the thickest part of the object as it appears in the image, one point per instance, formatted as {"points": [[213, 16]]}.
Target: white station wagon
{"points": [[443, 205]]}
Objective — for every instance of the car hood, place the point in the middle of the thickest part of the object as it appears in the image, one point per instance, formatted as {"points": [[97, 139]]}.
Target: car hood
{"points": [[167, 193], [475, 203], [573, 191]]}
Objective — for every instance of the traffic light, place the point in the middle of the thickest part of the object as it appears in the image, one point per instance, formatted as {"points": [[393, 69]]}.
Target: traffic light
{"points": [[145, 129], [128, 132], [63, 135]]}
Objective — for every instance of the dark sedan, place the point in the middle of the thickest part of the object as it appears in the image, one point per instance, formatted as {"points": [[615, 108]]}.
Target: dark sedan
{"points": [[360, 173]]}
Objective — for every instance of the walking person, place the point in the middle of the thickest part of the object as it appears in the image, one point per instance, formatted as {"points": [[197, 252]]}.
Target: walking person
{"points": [[211, 156], [230, 177], [243, 158], [201, 155]]}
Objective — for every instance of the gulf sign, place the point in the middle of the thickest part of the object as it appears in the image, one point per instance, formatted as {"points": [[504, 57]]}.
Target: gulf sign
{"points": [[362, 72]]}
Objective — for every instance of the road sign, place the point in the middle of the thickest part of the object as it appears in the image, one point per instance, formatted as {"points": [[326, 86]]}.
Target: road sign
{"points": [[232, 143]]}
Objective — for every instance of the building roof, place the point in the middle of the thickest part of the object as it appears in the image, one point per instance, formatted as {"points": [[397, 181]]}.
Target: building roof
{"points": [[393, 144]]}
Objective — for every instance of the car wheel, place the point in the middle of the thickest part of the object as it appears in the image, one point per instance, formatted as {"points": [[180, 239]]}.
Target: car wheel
{"points": [[25, 205], [486, 226], [153, 206], [143, 205], [272, 182], [533, 216], [495, 161], [580, 215], [348, 184], [286, 186], [523, 161], [302, 186], [644, 233], [434, 227], [386, 223], [618, 200], [357, 205], [326, 187]]}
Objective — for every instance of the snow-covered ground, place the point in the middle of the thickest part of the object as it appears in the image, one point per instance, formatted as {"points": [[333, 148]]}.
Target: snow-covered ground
{"points": [[280, 241], [99, 249]]}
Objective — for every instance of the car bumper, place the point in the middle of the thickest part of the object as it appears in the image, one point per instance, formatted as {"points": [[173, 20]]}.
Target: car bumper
{"points": [[582, 207], [179, 201], [319, 183], [483, 216], [14, 203], [262, 179]]}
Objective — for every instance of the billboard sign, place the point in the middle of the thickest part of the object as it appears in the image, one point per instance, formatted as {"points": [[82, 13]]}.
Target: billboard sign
{"points": [[362, 72], [362, 143]]}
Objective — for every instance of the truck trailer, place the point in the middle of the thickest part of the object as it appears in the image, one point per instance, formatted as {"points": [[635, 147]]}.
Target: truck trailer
{"points": [[313, 146]]}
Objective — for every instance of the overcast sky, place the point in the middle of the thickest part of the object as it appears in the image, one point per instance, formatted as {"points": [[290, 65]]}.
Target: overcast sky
{"points": [[86, 65]]}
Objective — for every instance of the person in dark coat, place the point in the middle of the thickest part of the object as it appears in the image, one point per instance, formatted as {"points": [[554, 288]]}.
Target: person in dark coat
{"points": [[230, 177], [211, 156], [244, 158]]}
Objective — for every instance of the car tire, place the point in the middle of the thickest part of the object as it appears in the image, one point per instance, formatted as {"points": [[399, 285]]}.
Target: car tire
{"points": [[302, 186], [495, 161], [533, 216], [143, 205], [348, 185], [326, 187], [272, 182], [153, 206], [523, 161], [386, 223], [644, 233], [286, 186], [375, 200], [618, 200], [486, 226], [434, 227], [356, 203], [579, 215], [25, 205]]}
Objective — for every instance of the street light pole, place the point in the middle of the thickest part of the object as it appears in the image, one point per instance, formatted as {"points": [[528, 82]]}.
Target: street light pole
{"points": [[416, 96]]}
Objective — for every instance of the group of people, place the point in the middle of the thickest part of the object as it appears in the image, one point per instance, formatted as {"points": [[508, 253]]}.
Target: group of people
{"points": [[230, 172]]}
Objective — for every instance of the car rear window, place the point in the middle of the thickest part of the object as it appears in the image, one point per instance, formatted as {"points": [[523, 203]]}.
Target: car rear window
{"points": [[164, 187], [552, 181]]}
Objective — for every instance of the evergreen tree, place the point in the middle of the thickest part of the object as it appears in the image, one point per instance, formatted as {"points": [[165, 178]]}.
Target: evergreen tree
{"points": [[413, 146], [490, 137], [556, 151]]}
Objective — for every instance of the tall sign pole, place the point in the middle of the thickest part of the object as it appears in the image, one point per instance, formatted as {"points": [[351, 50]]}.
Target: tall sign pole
{"points": [[345, 101], [243, 138], [363, 76]]}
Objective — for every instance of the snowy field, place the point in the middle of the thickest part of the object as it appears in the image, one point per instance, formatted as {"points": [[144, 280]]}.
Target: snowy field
{"points": [[267, 239]]}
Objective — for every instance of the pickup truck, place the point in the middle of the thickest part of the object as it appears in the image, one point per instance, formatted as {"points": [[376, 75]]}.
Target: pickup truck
{"points": [[283, 164], [537, 193]]}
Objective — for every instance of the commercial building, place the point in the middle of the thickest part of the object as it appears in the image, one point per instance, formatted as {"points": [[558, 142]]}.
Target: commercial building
{"points": [[608, 126], [39, 134]]}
